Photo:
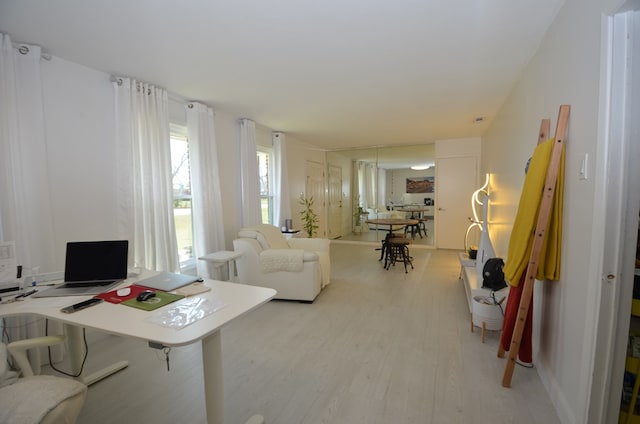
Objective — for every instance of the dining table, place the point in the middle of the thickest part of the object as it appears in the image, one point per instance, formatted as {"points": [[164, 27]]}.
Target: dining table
{"points": [[419, 210], [391, 223]]}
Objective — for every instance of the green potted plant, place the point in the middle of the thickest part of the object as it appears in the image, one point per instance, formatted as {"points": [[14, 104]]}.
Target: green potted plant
{"points": [[357, 215], [308, 216]]}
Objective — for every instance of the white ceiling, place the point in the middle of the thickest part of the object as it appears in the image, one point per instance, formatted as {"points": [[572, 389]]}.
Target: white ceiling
{"points": [[335, 73]]}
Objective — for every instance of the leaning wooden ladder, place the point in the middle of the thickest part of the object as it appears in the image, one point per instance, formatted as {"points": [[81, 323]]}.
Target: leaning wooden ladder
{"points": [[541, 227]]}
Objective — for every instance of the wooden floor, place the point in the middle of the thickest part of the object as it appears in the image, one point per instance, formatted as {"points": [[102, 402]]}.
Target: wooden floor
{"points": [[376, 346]]}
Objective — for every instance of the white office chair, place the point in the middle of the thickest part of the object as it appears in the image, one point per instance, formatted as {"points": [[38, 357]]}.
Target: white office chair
{"points": [[36, 399]]}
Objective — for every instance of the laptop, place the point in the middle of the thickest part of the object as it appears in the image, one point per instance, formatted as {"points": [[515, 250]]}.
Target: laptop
{"points": [[168, 281], [91, 267]]}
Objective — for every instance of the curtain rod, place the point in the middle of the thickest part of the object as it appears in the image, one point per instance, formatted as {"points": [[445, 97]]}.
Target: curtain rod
{"points": [[24, 49]]}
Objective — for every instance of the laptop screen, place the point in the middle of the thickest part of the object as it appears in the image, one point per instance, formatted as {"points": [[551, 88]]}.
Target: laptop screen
{"points": [[96, 261]]}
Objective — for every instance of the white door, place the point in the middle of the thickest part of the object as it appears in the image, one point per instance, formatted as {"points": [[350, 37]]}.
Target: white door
{"points": [[335, 202], [621, 197], [456, 180], [315, 188]]}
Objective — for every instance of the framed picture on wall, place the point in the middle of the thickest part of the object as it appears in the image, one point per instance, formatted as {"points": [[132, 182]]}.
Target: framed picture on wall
{"points": [[420, 184]]}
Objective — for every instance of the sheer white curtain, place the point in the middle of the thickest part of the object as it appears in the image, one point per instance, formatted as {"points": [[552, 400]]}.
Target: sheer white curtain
{"points": [[381, 188], [145, 188], [366, 173], [208, 230], [25, 203], [370, 185], [282, 201], [250, 184], [355, 185]]}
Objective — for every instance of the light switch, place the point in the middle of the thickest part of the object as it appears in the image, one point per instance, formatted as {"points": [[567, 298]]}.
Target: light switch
{"points": [[584, 167]]}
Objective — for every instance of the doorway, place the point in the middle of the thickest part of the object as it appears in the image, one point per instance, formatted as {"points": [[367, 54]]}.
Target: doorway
{"points": [[621, 148], [335, 202], [314, 188]]}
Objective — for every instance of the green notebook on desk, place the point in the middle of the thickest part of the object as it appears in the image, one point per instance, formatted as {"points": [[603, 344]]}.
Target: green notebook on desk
{"points": [[158, 301]]}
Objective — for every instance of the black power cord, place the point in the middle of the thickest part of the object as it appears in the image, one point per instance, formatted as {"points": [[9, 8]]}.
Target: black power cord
{"points": [[86, 354], [495, 302]]}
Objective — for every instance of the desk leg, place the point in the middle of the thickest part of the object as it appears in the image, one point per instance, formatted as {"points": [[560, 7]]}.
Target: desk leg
{"points": [[76, 354], [214, 381]]}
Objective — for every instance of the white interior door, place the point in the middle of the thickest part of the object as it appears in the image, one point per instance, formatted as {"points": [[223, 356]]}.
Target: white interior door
{"points": [[315, 188], [456, 180], [618, 228], [335, 202]]}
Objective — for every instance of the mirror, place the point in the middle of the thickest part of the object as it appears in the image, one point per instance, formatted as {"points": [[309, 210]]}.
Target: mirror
{"points": [[378, 183]]}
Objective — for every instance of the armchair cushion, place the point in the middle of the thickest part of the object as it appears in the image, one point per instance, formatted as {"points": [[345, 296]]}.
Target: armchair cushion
{"points": [[322, 248], [274, 260], [268, 236]]}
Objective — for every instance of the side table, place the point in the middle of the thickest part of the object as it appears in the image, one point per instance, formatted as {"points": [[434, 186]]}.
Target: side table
{"points": [[290, 233], [222, 258]]}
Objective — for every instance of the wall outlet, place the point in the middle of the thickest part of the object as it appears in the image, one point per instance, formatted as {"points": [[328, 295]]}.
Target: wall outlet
{"points": [[584, 167]]}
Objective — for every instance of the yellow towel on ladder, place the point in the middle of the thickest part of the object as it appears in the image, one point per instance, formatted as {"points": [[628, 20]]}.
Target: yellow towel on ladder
{"points": [[522, 235]]}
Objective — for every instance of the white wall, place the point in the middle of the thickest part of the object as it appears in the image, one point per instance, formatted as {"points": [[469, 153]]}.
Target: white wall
{"points": [[458, 147], [227, 138], [396, 186], [345, 164], [298, 153], [565, 70], [79, 119]]}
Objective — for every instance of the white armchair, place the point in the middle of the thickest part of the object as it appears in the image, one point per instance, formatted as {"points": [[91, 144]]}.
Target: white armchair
{"points": [[36, 399], [297, 268]]}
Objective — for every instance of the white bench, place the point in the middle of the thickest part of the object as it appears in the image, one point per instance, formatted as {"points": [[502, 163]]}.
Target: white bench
{"points": [[485, 316]]}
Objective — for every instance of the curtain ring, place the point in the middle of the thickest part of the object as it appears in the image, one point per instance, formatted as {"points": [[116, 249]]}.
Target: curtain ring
{"points": [[23, 49]]}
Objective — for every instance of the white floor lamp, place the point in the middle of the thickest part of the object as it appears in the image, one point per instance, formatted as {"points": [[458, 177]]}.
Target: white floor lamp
{"points": [[485, 251]]}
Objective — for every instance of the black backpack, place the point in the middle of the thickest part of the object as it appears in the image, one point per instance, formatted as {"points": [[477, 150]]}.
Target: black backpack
{"points": [[492, 274]]}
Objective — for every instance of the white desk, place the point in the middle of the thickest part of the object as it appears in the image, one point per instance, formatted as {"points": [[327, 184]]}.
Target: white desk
{"points": [[131, 322]]}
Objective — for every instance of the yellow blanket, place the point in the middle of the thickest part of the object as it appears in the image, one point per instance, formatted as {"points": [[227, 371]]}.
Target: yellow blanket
{"points": [[522, 235]]}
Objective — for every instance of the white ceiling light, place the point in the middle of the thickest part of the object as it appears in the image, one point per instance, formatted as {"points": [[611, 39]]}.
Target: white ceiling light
{"points": [[420, 167]]}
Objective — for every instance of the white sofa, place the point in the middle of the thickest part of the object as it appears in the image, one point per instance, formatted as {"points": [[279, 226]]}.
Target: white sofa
{"points": [[297, 268]]}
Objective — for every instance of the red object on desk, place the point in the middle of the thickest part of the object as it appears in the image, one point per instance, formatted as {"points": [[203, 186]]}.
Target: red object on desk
{"points": [[112, 296]]}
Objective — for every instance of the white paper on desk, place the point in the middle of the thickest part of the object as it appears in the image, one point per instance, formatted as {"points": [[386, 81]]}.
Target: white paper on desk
{"points": [[185, 312], [8, 265]]}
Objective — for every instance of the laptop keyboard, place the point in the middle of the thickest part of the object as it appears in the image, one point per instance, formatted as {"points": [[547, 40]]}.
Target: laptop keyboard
{"points": [[73, 284]]}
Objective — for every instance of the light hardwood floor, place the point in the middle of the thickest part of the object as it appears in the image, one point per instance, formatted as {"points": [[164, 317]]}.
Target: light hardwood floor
{"points": [[376, 346]]}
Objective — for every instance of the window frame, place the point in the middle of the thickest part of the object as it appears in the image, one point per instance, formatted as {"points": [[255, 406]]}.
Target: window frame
{"points": [[179, 132], [270, 196]]}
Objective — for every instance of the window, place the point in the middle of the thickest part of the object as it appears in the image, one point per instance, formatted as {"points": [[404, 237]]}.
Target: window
{"points": [[265, 173], [181, 179]]}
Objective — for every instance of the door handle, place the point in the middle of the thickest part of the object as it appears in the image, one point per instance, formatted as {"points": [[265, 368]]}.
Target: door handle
{"points": [[441, 209]]}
